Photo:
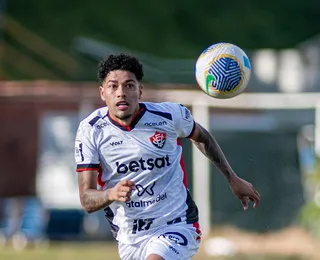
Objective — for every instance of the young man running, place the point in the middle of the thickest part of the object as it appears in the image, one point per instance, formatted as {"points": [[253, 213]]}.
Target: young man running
{"points": [[131, 150]]}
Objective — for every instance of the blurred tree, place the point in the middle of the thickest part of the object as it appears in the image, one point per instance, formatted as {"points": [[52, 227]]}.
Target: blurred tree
{"points": [[181, 28]]}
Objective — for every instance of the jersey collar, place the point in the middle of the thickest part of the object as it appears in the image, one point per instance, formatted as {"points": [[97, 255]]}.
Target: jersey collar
{"points": [[135, 120]]}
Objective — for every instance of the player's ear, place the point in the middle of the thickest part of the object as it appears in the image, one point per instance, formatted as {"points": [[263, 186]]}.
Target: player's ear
{"points": [[140, 91], [101, 89]]}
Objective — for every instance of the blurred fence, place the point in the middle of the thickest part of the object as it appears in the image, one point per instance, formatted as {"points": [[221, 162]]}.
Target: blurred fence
{"points": [[288, 70]]}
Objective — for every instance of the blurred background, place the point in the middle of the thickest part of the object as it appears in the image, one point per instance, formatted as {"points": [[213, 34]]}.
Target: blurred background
{"points": [[49, 51]]}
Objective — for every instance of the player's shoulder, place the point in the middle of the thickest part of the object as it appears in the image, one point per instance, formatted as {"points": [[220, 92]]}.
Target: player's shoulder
{"points": [[162, 106], [94, 117], [172, 108]]}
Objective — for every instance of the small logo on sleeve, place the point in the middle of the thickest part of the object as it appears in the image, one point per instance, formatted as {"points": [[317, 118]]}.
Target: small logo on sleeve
{"points": [[185, 113]]}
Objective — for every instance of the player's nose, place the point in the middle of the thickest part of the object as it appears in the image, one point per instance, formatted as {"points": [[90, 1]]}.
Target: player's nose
{"points": [[121, 91]]}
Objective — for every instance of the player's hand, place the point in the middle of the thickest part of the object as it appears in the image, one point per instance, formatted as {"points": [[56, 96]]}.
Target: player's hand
{"points": [[244, 191], [122, 191]]}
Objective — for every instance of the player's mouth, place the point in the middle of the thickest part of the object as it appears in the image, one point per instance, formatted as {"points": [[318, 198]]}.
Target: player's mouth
{"points": [[122, 105]]}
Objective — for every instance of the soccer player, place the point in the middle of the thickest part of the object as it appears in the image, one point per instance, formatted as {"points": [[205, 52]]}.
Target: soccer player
{"points": [[129, 163]]}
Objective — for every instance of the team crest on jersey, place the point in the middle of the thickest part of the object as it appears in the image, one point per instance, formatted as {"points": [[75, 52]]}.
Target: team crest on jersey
{"points": [[158, 139]]}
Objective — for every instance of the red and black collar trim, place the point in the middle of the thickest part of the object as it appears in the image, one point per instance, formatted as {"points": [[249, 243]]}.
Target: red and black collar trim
{"points": [[135, 120]]}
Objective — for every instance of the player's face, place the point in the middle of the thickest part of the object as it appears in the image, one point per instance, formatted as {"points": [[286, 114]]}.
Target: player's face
{"points": [[121, 91]]}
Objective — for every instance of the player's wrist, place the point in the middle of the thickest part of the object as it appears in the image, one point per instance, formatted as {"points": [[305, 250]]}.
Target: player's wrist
{"points": [[232, 176], [109, 196]]}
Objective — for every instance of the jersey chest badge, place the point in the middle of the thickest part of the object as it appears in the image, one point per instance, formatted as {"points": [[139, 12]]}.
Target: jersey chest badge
{"points": [[158, 139]]}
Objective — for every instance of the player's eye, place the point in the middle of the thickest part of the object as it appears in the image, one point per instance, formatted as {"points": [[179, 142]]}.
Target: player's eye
{"points": [[130, 86], [113, 86]]}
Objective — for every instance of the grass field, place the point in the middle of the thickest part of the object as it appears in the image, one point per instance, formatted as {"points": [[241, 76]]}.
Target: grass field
{"points": [[102, 251], [290, 244]]}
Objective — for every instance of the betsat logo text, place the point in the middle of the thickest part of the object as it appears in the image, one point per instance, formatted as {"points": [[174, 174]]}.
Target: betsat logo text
{"points": [[143, 164]]}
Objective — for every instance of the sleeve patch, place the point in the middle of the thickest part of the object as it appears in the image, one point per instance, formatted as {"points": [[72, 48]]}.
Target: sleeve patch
{"points": [[79, 151], [185, 113]]}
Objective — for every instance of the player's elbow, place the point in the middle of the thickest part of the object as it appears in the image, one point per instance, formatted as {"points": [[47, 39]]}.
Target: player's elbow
{"points": [[85, 203], [87, 208]]}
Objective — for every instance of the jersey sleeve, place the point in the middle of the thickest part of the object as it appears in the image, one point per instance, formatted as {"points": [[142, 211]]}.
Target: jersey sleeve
{"points": [[86, 152], [183, 121]]}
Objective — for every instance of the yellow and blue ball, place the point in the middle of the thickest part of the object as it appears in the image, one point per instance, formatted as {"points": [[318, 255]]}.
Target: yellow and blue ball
{"points": [[223, 70]]}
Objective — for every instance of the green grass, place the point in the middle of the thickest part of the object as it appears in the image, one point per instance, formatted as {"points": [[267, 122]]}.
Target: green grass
{"points": [[64, 251], [97, 251]]}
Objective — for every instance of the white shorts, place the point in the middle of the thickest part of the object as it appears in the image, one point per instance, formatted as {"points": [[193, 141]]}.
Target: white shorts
{"points": [[177, 241]]}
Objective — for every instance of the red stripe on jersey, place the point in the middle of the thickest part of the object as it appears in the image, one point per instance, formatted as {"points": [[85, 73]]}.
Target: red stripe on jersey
{"points": [[100, 182], [86, 169], [193, 130], [183, 167], [197, 227]]}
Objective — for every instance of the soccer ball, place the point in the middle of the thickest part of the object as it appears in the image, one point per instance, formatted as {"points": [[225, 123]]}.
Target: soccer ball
{"points": [[223, 70]]}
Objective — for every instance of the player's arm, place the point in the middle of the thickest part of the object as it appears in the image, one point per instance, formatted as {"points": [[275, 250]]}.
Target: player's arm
{"points": [[93, 200], [207, 144], [87, 160]]}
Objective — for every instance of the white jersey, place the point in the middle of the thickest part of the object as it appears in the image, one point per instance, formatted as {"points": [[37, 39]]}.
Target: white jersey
{"points": [[147, 152]]}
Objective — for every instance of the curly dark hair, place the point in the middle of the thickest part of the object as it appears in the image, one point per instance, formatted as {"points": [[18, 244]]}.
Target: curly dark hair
{"points": [[119, 61]]}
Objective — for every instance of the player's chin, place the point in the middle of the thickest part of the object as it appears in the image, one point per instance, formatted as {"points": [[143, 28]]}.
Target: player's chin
{"points": [[123, 115]]}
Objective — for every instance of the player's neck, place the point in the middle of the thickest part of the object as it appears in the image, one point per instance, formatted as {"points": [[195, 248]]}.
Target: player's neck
{"points": [[128, 121]]}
